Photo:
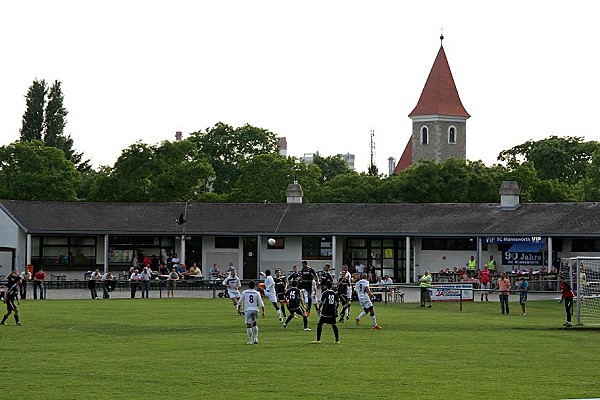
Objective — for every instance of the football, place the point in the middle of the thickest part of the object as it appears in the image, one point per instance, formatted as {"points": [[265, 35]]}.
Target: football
{"points": [[271, 242]]}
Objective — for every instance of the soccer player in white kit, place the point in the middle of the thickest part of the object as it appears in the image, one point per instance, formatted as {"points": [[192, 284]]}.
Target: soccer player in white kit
{"points": [[364, 298], [233, 284], [271, 294], [250, 302]]}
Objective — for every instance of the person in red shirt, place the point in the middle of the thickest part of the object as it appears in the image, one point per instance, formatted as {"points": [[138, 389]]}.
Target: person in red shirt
{"points": [[567, 297], [38, 282], [485, 277]]}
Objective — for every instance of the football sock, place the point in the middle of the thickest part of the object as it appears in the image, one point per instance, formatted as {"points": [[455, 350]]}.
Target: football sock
{"points": [[362, 314], [305, 318], [289, 318], [278, 312], [249, 331], [374, 319], [17, 318], [336, 332], [255, 329], [319, 330]]}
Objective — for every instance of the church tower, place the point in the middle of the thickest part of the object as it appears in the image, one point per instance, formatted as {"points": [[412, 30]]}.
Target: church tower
{"points": [[439, 120]]}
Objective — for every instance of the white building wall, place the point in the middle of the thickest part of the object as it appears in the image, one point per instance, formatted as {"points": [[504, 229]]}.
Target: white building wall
{"points": [[11, 236]]}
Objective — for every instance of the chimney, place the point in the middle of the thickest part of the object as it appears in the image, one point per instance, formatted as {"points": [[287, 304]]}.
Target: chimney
{"points": [[178, 136], [294, 193], [509, 195]]}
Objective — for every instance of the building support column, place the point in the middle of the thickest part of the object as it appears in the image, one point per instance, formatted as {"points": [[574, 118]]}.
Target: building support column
{"points": [[27, 250], [479, 247], [105, 254], [258, 256], [182, 253], [333, 252], [549, 241], [407, 261]]}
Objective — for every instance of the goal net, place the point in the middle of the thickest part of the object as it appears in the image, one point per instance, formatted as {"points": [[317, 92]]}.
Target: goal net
{"points": [[584, 275]]}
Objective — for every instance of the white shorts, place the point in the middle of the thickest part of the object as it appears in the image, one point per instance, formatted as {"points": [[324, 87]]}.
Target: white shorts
{"points": [[233, 293], [304, 295], [271, 295], [250, 316], [365, 303]]}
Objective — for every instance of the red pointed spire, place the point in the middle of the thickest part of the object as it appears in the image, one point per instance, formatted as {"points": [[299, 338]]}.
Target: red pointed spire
{"points": [[439, 96]]}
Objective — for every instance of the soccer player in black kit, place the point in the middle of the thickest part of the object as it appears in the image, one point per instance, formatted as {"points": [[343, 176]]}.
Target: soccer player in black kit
{"points": [[295, 305], [280, 288], [329, 304], [307, 275], [10, 296]]}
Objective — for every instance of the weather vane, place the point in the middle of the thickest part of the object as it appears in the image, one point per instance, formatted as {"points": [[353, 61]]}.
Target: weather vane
{"points": [[441, 35]]}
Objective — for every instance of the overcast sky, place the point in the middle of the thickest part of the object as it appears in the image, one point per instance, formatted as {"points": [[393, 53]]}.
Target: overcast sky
{"points": [[321, 73]]}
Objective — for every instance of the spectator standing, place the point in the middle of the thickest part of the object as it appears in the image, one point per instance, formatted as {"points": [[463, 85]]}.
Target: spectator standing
{"points": [[523, 287], [387, 280], [145, 277], [485, 279], [94, 278], [25, 277], [134, 282], [371, 274], [360, 268], [250, 302], [171, 282], [154, 263], [425, 284], [503, 286], [108, 282], [38, 283], [492, 265], [566, 296], [472, 267]]}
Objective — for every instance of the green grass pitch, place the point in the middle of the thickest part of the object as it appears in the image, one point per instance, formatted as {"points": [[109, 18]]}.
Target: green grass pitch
{"points": [[196, 349]]}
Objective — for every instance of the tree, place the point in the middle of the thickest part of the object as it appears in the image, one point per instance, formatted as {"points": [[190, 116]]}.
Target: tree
{"points": [[227, 148], [265, 177], [33, 171], [350, 188], [331, 166], [33, 118], [565, 159], [169, 172]]}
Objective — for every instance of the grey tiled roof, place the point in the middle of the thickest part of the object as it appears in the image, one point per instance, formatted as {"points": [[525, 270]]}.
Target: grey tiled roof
{"points": [[404, 219]]}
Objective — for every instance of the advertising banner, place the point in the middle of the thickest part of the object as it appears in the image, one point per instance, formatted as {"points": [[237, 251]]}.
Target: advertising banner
{"points": [[451, 292]]}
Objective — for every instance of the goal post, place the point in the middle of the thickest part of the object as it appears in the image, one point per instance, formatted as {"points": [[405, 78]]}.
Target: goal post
{"points": [[584, 273]]}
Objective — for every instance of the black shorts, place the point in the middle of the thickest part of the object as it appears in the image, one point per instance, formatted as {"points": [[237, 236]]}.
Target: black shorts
{"points": [[306, 285], [10, 306], [327, 320], [299, 311], [343, 299], [280, 297]]}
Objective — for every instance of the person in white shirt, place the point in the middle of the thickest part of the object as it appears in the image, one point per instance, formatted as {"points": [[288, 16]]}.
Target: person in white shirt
{"points": [[134, 281], [250, 302], [387, 280], [145, 277], [94, 278], [271, 294], [233, 285], [25, 277], [364, 297], [360, 268]]}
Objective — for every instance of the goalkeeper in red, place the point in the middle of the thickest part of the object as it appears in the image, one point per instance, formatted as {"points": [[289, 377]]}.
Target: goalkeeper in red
{"points": [[328, 305]]}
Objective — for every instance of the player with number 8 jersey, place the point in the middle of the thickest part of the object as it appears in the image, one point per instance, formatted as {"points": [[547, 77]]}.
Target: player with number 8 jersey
{"points": [[250, 302]]}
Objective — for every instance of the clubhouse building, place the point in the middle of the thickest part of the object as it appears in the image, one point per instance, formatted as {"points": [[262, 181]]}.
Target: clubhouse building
{"points": [[401, 240]]}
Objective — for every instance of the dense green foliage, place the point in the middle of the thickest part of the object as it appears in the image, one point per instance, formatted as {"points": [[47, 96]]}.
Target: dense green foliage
{"points": [[196, 348], [243, 164]]}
